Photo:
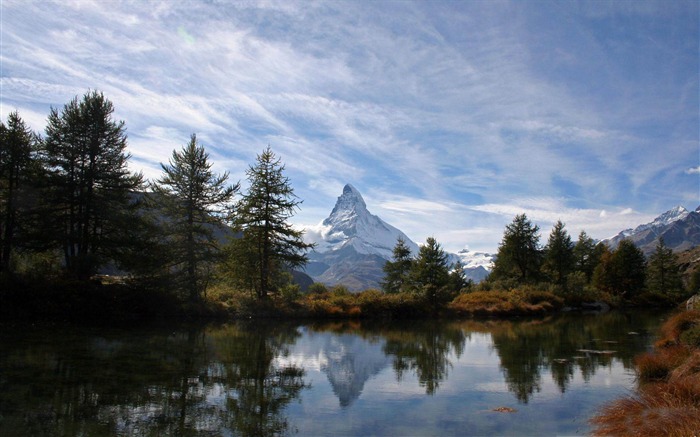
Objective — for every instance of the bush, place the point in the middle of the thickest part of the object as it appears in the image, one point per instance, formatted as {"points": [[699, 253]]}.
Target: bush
{"points": [[498, 303], [317, 288]]}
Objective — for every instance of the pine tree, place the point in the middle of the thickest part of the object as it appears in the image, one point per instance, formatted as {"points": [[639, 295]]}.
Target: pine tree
{"points": [[18, 168], [269, 245], [621, 272], [519, 256], [430, 273], [663, 274], [396, 271], [458, 278], [90, 200], [196, 203], [585, 255], [559, 255]]}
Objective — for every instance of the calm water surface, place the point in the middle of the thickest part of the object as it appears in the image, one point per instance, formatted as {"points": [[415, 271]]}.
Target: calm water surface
{"points": [[417, 378]]}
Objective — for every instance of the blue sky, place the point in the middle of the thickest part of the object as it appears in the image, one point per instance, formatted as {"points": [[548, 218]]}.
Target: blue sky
{"points": [[449, 117]]}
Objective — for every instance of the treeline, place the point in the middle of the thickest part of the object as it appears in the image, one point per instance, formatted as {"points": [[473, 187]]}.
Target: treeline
{"points": [[584, 271], [70, 209]]}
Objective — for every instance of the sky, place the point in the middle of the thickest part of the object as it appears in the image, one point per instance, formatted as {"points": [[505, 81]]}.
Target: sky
{"points": [[450, 117]]}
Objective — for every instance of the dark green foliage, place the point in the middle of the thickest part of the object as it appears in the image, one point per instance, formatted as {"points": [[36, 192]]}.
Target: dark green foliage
{"points": [[458, 281], [430, 266], [396, 271], [559, 256], [195, 202], [269, 245], [430, 274], [19, 170], [621, 272], [519, 256], [586, 256], [89, 203], [663, 274]]}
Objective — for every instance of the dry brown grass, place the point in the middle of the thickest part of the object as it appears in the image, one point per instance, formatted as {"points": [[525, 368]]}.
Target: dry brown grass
{"points": [[670, 406], [500, 303], [660, 409]]}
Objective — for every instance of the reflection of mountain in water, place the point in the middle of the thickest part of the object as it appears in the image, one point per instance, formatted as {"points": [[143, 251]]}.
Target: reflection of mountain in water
{"points": [[350, 361]]}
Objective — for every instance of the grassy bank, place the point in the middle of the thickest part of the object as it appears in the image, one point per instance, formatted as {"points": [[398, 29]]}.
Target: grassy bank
{"points": [[105, 300], [667, 401], [338, 303]]}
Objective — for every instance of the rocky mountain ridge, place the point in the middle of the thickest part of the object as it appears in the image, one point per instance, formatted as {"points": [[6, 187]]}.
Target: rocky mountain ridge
{"points": [[679, 228]]}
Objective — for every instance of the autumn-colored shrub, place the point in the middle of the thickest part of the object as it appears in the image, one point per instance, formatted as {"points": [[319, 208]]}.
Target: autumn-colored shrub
{"points": [[497, 303], [673, 328], [657, 366]]}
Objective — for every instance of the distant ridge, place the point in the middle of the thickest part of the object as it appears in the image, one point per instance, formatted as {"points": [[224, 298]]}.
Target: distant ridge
{"points": [[679, 228]]}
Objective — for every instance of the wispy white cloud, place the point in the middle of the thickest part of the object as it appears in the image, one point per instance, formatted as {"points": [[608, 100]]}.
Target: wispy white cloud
{"points": [[454, 116]]}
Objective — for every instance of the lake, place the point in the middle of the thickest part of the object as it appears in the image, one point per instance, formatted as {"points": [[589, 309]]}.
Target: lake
{"points": [[523, 377]]}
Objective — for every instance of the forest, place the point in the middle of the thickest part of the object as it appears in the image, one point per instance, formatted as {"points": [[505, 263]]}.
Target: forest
{"points": [[83, 238]]}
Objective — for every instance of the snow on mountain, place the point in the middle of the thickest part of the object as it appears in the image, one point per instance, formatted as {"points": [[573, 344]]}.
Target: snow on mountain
{"points": [[679, 228], [350, 224], [665, 219], [353, 245], [471, 259]]}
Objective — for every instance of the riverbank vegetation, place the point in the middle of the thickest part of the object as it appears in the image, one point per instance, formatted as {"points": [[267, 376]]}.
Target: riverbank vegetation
{"points": [[82, 238], [667, 401]]}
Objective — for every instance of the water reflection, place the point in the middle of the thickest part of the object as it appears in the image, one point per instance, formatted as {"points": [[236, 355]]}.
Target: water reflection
{"points": [[253, 378], [193, 382]]}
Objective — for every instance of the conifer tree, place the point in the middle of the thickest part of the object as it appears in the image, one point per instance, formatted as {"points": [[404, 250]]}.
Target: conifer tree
{"points": [[519, 256], [18, 168], [90, 204], [396, 271], [621, 272], [196, 203], [585, 255], [430, 273], [663, 271], [269, 245], [559, 255]]}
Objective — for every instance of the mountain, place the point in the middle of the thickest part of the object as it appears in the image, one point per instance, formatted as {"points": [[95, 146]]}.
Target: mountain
{"points": [[679, 228], [352, 246], [477, 265], [350, 224]]}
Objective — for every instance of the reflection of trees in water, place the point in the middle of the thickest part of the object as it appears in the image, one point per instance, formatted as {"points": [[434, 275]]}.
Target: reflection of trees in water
{"points": [[424, 349], [526, 349], [193, 382]]}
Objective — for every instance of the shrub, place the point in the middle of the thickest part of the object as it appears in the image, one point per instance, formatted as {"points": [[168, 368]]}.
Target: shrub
{"points": [[317, 288]]}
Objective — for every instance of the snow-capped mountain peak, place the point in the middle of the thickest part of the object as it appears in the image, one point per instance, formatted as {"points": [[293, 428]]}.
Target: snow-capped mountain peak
{"points": [[679, 228], [351, 224], [350, 202], [665, 219], [670, 216]]}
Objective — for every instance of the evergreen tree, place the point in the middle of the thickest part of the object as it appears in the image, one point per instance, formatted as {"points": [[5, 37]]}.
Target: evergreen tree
{"points": [[196, 204], [458, 278], [90, 200], [559, 255], [663, 271], [18, 168], [630, 266], [396, 271], [621, 272], [519, 255], [430, 273], [269, 245], [585, 255]]}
